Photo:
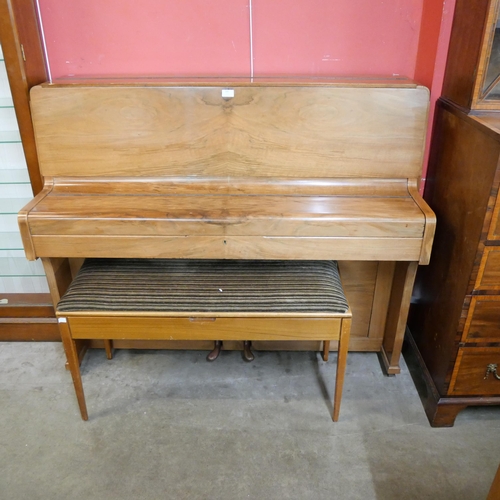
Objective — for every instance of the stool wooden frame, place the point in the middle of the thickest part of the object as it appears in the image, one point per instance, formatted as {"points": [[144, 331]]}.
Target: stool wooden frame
{"points": [[203, 326]]}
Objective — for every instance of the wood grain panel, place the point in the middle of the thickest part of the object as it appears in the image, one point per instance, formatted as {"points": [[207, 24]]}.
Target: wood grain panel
{"points": [[26, 305], [260, 132], [488, 277], [483, 320], [494, 232], [358, 280], [138, 186], [28, 317], [32, 331], [470, 375], [381, 299], [174, 215], [430, 223], [231, 247], [22, 220], [59, 277], [158, 328]]}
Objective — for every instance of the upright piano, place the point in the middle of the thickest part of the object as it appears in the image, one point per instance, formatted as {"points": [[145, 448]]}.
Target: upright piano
{"points": [[262, 169]]}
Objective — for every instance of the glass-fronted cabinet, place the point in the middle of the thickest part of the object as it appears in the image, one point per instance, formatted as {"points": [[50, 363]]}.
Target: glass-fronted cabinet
{"points": [[487, 85], [472, 76], [17, 274]]}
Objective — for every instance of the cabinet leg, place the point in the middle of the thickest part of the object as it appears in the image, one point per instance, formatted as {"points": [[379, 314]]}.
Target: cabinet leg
{"points": [[495, 487], [444, 415]]}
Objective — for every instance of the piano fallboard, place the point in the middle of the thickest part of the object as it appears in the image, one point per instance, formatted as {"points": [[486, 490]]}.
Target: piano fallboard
{"points": [[84, 219]]}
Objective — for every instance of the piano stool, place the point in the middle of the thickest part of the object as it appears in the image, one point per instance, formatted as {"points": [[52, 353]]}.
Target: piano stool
{"points": [[175, 299]]}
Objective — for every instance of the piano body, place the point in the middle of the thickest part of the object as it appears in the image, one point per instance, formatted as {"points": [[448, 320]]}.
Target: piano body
{"points": [[268, 169]]}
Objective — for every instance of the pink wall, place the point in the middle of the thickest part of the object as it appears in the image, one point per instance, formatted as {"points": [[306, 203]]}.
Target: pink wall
{"points": [[201, 37], [146, 37], [342, 37]]}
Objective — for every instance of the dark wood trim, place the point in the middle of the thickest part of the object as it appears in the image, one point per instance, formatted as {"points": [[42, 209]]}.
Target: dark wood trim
{"points": [[27, 305], [28, 317], [32, 332], [465, 50], [468, 118], [20, 39]]}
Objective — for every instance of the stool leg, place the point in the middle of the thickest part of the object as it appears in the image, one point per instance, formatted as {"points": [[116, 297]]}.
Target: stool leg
{"points": [[108, 347], [341, 364], [326, 349], [74, 367]]}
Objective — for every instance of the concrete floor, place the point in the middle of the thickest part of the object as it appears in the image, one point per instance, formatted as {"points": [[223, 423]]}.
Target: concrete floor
{"points": [[169, 425]]}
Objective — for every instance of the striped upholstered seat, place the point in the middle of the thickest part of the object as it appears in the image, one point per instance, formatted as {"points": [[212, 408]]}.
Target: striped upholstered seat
{"points": [[159, 285]]}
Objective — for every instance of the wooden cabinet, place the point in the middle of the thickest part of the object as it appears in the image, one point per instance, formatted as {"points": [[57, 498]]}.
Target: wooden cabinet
{"points": [[455, 315], [27, 315]]}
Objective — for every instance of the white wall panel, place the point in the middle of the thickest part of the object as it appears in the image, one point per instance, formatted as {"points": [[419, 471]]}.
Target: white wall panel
{"points": [[17, 274]]}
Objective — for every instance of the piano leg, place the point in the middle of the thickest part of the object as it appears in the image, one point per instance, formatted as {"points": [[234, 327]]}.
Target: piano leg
{"points": [[326, 349], [397, 314], [108, 347], [59, 276], [74, 366]]}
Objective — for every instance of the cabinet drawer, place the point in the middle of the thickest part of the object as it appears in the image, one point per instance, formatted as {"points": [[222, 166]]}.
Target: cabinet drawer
{"points": [[483, 319], [488, 277], [469, 374]]}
